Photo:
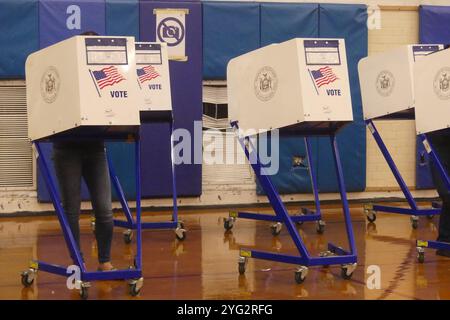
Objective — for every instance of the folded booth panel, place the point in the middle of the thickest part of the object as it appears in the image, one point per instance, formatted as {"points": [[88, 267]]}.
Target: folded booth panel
{"points": [[19, 25], [229, 30], [349, 22], [281, 22], [181, 27]]}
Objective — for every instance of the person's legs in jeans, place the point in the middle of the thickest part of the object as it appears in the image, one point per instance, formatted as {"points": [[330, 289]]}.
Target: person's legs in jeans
{"points": [[67, 164], [444, 194], [96, 175]]}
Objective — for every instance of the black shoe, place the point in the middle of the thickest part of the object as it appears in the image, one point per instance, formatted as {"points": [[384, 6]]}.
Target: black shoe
{"points": [[443, 253]]}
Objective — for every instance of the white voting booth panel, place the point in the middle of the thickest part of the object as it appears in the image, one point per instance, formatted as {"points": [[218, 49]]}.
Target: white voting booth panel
{"points": [[152, 65], [82, 83], [386, 80], [290, 84], [432, 87]]}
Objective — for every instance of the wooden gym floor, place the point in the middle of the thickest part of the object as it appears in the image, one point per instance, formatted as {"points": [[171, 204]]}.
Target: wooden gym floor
{"points": [[204, 266]]}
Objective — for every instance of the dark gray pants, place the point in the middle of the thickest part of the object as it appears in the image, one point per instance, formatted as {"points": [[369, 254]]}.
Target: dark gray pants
{"points": [[90, 163], [441, 144]]}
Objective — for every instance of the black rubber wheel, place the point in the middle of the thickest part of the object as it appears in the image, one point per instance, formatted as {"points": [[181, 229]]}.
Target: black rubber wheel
{"points": [[298, 278], [415, 224], [430, 217], [320, 228], [26, 282], [182, 237], [227, 225], [84, 293], [181, 224], [421, 257], [133, 290], [371, 217], [299, 223], [274, 231], [241, 268], [344, 274], [127, 237]]}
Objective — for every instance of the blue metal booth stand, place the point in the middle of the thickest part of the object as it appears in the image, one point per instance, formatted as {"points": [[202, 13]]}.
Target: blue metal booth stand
{"points": [[335, 254]]}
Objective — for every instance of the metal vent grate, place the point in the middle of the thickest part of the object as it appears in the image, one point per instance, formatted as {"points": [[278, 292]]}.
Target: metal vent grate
{"points": [[16, 160]]}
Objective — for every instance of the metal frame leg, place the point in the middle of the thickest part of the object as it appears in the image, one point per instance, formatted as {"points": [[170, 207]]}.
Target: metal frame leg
{"points": [[413, 209], [336, 255]]}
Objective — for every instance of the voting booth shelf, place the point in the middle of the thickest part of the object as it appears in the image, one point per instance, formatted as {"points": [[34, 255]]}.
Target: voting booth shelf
{"points": [[72, 95], [310, 86], [388, 92], [432, 84], [153, 79]]}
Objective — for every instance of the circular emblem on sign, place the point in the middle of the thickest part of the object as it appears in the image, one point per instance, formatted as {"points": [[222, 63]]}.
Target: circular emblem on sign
{"points": [[171, 31], [385, 83], [441, 83], [265, 84], [50, 85]]}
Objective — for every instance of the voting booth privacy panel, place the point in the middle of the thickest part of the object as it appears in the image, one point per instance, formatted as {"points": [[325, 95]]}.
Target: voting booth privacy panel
{"points": [[280, 22], [434, 27]]}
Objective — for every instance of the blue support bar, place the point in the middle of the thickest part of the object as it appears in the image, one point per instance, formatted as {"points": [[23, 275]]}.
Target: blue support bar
{"points": [[274, 218], [414, 209], [340, 257], [138, 205], [438, 245], [130, 224]]}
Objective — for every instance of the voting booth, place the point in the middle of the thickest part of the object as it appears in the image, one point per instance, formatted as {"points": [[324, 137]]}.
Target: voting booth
{"points": [[300, 86], [85, 85], [155, 105], [386, 81], [432, 92], [80, 89], [388, 92], [296, 85], [152, 67]]}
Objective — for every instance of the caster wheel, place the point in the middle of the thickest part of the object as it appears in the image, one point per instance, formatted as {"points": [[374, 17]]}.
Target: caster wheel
{"points": [[228, 223], [242, 264], [275, 229], [180, 232], [84, 291], [430, 217], [347, 271], [320, 227], [93, 224], [414, 222], [371, 215], [420, 255], [300, 274], [127, 236], [135, 286], [27, 278]]}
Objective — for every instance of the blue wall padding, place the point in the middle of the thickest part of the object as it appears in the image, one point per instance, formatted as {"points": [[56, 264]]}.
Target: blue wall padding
{"points": [[229, 30], [122, 18], [53, 18], [53, 28], [19, 35], [349, 22], [282, 21], [434, 27], [434, 24], [186, 85]]}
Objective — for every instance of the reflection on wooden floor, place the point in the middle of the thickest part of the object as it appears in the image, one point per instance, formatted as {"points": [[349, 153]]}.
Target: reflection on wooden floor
{"points": [[204, 266]]}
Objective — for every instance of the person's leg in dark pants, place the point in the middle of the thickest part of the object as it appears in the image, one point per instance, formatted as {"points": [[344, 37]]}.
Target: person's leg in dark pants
{"points": [[96, 175], [67, 164]]}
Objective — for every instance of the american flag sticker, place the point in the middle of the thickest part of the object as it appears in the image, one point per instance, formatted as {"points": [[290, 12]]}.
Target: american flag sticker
{"points": [[147, 73], [106, 77], [323, 76]]}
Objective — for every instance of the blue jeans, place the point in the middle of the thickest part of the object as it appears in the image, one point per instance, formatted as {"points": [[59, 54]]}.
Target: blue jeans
{"points": [[88, 161]]}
